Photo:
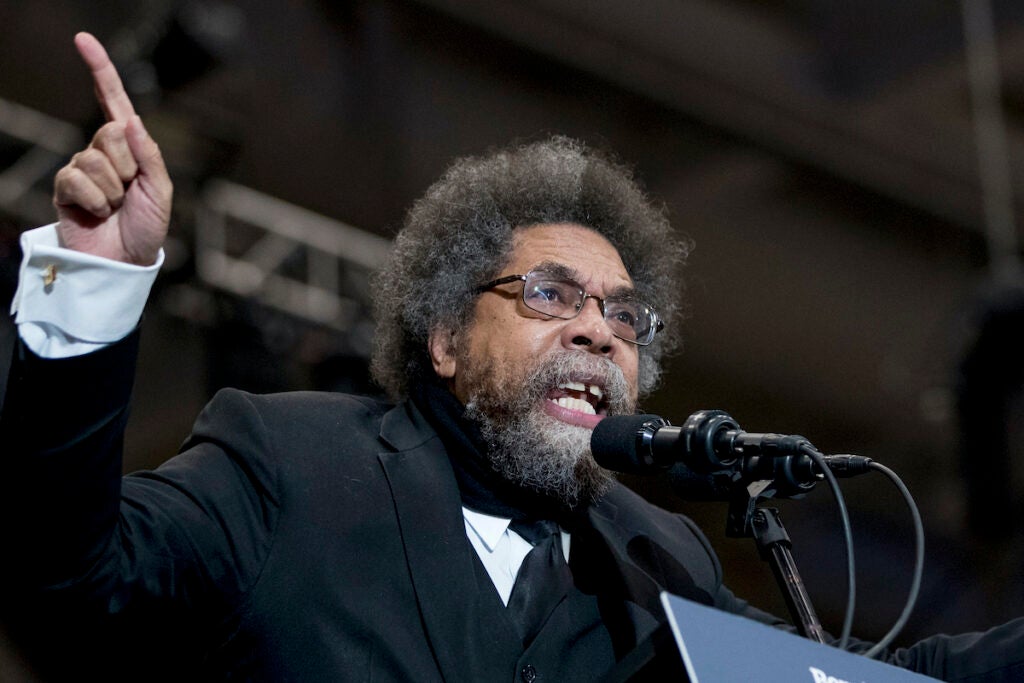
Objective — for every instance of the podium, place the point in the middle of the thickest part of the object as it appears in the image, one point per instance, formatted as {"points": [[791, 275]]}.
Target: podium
{"points": [[716, 646]]}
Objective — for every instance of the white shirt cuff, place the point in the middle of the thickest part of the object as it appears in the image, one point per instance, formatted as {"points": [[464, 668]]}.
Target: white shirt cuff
{"points": [[69, 303]]}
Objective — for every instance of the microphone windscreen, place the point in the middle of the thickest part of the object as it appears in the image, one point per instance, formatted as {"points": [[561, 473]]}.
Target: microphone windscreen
{"points": [[614, 443]]}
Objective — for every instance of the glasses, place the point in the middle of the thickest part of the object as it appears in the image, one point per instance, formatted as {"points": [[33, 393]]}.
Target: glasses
{"points": [[630, 320]]}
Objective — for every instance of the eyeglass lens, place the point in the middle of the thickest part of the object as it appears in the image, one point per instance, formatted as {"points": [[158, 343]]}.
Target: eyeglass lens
{"points": [[560, 298]]}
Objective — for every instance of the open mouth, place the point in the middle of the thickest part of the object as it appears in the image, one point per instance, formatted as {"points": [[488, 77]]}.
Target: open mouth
{"points": [[580, 397]]}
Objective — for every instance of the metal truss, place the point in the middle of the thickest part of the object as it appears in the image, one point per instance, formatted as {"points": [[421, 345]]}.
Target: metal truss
{"points": [[38, 145], [286, 257], [246, 244]]}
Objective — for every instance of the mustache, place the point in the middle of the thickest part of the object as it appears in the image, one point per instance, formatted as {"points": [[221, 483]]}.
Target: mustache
{"points": [[566, 366]]}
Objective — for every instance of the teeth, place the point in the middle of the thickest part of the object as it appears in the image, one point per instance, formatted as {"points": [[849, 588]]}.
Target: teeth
{"points": [[580, 386], [575, 404]]}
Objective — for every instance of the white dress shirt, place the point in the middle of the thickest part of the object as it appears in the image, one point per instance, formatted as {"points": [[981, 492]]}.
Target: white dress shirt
{"points": [[69, 303], [500, 549]]}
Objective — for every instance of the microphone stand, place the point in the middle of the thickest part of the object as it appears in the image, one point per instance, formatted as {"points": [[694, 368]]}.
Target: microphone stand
{"points": [[746, 520]]}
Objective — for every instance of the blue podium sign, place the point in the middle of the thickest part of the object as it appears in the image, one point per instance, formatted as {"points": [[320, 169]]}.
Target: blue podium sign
{"points": [[717, 646]]}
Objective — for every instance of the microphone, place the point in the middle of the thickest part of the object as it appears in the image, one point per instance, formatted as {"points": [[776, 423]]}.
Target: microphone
{"points": [[710, 455]]}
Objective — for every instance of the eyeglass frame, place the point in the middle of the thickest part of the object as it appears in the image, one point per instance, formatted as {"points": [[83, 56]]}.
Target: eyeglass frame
{"points": [[658, 325]]}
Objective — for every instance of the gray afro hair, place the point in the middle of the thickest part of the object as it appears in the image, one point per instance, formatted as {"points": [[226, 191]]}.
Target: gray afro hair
{"points": [[459, 235]]}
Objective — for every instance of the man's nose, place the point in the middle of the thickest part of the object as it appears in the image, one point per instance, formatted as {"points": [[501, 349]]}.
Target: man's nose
{"points": [[589, 331]]}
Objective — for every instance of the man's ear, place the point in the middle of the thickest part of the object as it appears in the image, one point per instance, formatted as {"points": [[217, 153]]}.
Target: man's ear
{"points": [[441, 344]]}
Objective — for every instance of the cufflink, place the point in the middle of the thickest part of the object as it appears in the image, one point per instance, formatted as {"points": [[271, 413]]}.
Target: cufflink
{"points": [[49, 275]]}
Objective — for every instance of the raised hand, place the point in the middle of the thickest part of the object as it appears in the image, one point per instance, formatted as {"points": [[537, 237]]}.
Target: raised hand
{"points": [[113, 198]]}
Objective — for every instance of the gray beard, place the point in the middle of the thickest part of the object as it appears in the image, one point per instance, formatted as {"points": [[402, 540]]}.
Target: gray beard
{"points": [[528, 447]]}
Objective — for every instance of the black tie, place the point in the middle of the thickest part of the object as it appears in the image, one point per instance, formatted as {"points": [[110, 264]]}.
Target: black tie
{"points": [[543, 579]]}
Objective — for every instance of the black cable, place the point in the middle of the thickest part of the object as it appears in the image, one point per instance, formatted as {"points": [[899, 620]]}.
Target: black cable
{"points": [[851, 574], [915, 584]]}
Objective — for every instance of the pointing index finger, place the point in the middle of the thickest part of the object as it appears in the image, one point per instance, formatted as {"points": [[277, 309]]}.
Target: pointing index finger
{"points": [[109, 90]]}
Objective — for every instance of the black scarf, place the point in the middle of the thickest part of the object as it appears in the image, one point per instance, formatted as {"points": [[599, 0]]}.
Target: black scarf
{"points": [[480, 487], [595, 570]]}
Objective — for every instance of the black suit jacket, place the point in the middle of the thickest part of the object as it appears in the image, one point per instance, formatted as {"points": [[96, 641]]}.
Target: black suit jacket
{"points": [[305, 537]]}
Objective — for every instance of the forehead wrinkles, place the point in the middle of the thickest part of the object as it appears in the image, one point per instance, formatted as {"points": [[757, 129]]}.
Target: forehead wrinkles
{"points": [[565, 272], [566, 242]]}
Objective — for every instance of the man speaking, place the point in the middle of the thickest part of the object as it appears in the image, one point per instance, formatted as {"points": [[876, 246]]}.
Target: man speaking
{"points": [[461, 533]]}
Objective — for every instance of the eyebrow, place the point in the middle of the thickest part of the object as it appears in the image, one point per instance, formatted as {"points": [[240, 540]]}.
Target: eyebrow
{"points": [[561, 270]]}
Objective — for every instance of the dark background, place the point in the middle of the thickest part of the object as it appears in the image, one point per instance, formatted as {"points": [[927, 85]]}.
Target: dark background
{"points": [[820, 153]]}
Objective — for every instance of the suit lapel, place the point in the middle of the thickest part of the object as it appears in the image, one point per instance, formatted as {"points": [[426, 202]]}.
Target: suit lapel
{"points": [[438, 553], [625, 568], [627, 596], [612, 539], [633, 569]]}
